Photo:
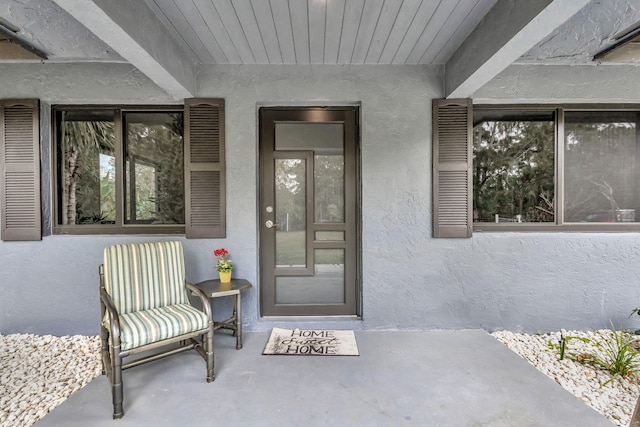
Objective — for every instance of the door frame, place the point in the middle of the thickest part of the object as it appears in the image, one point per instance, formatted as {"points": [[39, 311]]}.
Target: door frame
{"points": [[314, 111]]}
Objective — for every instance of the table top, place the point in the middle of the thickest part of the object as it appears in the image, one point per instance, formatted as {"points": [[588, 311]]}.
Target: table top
{"points": [[214, 288]]}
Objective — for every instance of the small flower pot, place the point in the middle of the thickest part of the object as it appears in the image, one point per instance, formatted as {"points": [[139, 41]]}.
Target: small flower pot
{"points": [[225, 276]]}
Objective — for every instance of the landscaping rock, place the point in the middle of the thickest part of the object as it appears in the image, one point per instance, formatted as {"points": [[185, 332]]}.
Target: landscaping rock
{"points": [[37, 373], [614, 398]]}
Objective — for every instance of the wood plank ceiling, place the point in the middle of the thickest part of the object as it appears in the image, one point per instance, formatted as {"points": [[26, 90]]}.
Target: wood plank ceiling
{"points": [[320, 31]]}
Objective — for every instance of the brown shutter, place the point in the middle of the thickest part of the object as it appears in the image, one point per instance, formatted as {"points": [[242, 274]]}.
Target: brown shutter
{"points": [[20, 170], [204, 168], [452, 182]]}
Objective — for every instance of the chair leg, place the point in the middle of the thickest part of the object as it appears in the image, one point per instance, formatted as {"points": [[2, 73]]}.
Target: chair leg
{"points": [[208, 338], [104, 336], [116, 384]]}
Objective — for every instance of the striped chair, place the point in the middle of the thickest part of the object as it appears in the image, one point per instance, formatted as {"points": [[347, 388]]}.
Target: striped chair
{"points": [[144, 306]]}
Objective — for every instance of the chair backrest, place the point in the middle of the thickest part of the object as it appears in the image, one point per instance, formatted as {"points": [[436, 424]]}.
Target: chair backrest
{"points": [[142, 276]]}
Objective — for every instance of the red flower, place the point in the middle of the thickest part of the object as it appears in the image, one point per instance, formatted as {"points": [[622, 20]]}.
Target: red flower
{"points": [[222, 252]]}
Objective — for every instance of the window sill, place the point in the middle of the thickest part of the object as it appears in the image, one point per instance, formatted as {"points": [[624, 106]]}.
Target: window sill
{"points": [[619, 227], [107, 229]]}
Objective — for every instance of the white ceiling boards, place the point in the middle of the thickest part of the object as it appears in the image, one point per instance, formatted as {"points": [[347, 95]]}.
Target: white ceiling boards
{"points": [[473, 40]]}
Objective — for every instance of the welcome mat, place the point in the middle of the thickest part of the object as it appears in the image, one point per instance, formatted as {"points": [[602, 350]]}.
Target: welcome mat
{"points": [[312, 342]]}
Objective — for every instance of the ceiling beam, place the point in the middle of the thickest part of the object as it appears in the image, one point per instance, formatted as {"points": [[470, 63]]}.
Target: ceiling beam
{"points": [[508, 31], [131, 29]]}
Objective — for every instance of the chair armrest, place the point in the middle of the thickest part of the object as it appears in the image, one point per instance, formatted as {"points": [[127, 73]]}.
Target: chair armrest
{"points": [[114, 319], [204, 299]]}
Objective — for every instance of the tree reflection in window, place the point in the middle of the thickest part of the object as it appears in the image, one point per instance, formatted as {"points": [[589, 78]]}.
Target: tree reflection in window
{"points": [[155, 168], [152, 169], [87, 170], [601, 166], [513, 167]]}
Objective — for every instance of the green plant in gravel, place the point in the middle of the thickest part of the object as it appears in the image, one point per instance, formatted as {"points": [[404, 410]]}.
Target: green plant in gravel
{"points": [[620, 356], [617, 353], [562, 346]]}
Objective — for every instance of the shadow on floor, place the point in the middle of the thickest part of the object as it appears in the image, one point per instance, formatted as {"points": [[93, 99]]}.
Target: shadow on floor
{"points": [[433, 378]]}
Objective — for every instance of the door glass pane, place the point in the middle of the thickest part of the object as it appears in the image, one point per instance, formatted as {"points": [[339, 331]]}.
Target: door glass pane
{"points": [[154, 172], [290, 212], [330, 235], [323, 138], [326, 140], [326, 286], [601, 167], [328, 179], [87, 192]]}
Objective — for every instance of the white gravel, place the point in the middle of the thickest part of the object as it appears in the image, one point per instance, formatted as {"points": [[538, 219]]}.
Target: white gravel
{"points": [[37, 373], [615, 400]]}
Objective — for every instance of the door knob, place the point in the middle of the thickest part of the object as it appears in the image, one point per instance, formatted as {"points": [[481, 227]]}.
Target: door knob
{"points": [[270, 224]]}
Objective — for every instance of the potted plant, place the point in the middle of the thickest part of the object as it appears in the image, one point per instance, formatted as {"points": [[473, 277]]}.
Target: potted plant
{"points": [[223, 265]]}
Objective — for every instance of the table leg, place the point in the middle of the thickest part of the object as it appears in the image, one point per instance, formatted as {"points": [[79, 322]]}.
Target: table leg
{"points": [[237, 309]]}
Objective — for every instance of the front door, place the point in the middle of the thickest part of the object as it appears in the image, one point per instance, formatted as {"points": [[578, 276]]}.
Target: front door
{"points": [[309, 211]]}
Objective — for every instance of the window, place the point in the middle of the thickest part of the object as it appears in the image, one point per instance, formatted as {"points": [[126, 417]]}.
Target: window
{"points": [[601, 166], [513, 166], [97, 148], [145, 169], [154, 172], [570, 168]]}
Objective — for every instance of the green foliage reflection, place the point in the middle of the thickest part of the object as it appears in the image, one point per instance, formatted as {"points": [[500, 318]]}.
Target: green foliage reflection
{"points": [[513, 171]]}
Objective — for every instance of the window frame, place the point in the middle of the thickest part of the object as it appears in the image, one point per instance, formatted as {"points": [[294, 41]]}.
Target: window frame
{"points": [[120, 227], [558, 225]]}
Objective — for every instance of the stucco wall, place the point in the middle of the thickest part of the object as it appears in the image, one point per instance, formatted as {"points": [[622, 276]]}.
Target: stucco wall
{"points": [[532, 282], [527, 83]]}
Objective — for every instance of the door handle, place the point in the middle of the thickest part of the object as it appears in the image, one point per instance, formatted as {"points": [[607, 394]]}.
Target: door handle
{"points": [[270, 224]]}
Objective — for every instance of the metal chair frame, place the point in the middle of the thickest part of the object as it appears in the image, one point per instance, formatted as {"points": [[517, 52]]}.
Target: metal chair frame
{"points": [[112, 355]]}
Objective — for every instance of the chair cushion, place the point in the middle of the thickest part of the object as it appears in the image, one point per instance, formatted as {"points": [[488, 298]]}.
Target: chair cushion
{"points": [[143, 276], [157, 324]]}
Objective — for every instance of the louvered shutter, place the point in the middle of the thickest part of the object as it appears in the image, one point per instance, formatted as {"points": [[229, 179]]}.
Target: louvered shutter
{"points": [[452, 161], [20, 170], [204, 168]]}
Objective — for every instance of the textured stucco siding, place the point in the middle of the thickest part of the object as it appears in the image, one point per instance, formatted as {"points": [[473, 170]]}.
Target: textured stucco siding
{"points": [[518, 281], [539, 84]]}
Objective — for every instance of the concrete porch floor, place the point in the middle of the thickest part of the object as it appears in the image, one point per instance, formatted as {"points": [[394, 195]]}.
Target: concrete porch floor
{"points": [[432, 378]]}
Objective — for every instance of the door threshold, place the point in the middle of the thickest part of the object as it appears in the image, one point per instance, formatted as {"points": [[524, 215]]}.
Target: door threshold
{"points": [[310, 322], [313, 318]]}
